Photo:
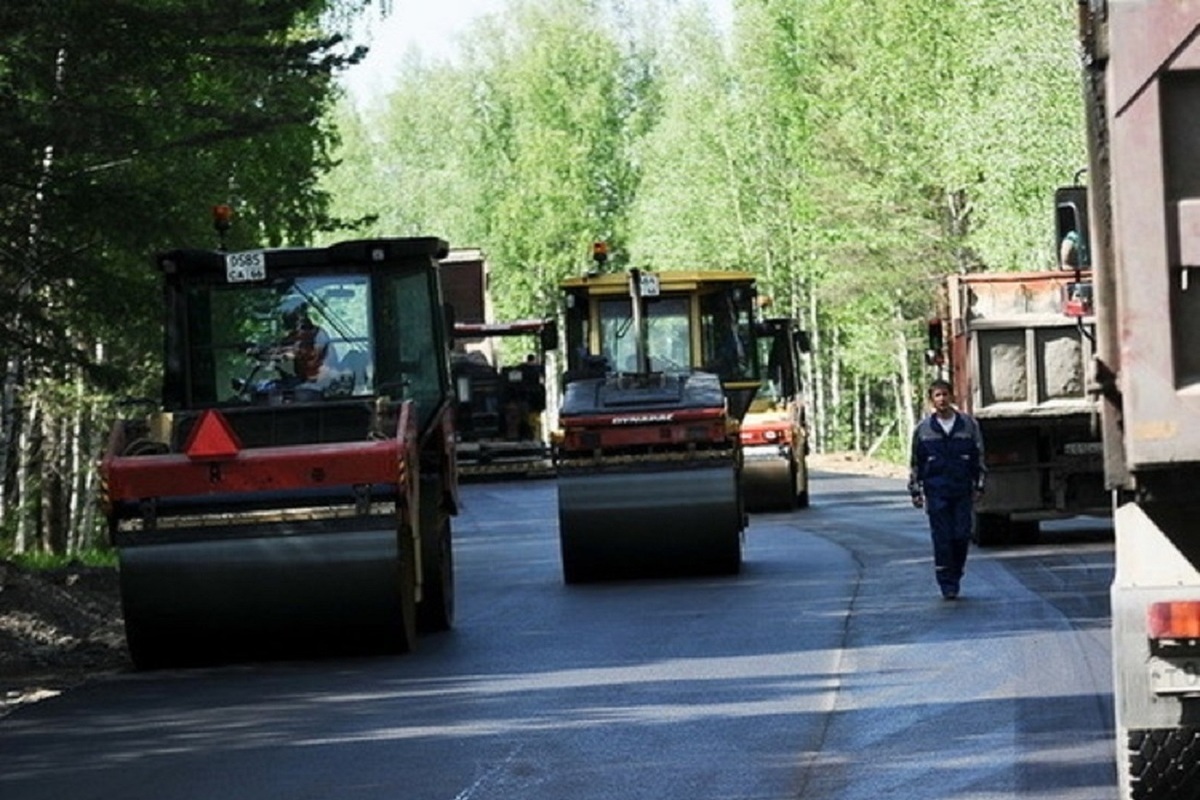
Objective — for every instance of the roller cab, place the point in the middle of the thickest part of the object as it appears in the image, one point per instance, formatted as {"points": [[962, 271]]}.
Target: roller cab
{"points": [[291, 493]]}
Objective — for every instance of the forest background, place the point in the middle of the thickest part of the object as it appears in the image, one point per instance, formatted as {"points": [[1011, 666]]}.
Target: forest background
{"points": [[851, 153]]}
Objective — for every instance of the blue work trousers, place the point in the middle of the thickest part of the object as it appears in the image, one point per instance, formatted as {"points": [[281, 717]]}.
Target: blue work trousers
{"points": [[950, 526]]}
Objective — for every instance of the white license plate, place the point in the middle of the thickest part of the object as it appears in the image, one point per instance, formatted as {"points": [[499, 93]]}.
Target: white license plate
{"points": [[1175, 675], [248, 265]]}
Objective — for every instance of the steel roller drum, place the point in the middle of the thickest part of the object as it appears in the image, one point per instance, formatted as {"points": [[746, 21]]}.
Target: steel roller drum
{"points": [[303, 592], [769, 484], [649, 522]]}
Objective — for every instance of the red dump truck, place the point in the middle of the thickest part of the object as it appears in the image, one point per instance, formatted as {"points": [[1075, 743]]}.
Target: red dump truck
{"points": [[1018, 350], [1141, 82]]}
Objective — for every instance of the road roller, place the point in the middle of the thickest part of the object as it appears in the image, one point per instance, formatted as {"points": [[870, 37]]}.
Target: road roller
{"points": [[291, 494], [774, 432], [661, 367]]}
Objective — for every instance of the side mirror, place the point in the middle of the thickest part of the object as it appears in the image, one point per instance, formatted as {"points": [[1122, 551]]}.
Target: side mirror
{"points": [[935, 343], [1071, 230], [802, 341]]}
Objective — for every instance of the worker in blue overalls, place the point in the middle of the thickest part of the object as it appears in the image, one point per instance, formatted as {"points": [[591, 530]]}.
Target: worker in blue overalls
{"points": [[946, 477]]}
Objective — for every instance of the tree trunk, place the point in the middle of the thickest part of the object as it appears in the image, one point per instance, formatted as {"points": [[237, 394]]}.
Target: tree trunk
{"points": [[51, 497], [814, 376], [27, 443], [904, 392], [9, 430], [856, 420], [832, 436], [77, 442]]}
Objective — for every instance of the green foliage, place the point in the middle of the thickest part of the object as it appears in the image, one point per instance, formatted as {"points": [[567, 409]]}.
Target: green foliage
{"points": [[850, 152], [102, 557], [121, 123]]}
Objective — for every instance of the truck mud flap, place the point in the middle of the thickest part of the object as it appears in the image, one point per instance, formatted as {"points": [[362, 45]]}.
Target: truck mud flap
{"points": [[223, 598], [643, 523]]}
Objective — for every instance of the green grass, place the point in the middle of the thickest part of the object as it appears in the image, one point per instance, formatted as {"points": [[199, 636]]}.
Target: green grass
{"points": [[90, 558]]}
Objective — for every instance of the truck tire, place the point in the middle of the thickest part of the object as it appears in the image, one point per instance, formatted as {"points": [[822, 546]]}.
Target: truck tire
{"points": [[405, 634], [1164, 762], [435, 612], [801, 487], [991, 530], [1024, 531]]}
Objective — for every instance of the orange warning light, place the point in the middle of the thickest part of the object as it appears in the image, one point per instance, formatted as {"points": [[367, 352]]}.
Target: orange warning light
{"points": [[222, 217]]}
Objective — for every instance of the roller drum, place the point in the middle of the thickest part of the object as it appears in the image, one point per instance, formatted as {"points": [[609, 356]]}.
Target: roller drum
{"points": [[215, 598], [769, 484], [649, 522]]}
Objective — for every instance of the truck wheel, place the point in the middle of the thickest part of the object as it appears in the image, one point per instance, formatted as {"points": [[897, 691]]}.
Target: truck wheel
{"points": [[404, 637], [801, 487], [1024, 532], [991, 530], [1164, 762], [435, 612]]}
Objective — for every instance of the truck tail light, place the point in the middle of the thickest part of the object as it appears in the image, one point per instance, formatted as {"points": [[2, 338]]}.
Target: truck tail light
{"points": [[1175, 619], [995, 458]]}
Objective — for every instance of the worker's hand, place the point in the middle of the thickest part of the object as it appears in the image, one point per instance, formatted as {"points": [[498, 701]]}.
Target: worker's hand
{"points": [[918, 501]]}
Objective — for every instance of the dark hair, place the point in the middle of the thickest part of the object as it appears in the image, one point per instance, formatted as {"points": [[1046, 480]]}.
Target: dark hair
{"points": [[940, 383]]}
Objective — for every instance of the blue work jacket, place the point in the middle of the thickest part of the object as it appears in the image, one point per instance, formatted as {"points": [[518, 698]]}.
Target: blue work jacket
{"points": [[947, 464]]}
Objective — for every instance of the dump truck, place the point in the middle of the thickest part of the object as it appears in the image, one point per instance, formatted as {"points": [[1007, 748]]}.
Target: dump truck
{"points": [[505, 401], [661, 368], [774, 432], [292, 491], [1141, 86], [1018, 355]]}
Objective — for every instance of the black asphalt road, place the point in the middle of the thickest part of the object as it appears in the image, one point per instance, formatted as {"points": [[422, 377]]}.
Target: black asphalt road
{"points": [[830, 669]]}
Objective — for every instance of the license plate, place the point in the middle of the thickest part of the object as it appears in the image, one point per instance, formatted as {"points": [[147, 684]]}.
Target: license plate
{"points": [[249, 265], [1175, 676]]}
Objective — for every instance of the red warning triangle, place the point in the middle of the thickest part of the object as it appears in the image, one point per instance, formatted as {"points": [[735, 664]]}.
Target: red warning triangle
{"points": [[212, 437]]}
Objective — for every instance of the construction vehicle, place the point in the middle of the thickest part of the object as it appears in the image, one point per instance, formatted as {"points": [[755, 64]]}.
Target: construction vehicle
{"points": [[661, 367], [774, 432], [292, 493], [1018, 359], [1141, 80], [502, 411], [505, 401]]}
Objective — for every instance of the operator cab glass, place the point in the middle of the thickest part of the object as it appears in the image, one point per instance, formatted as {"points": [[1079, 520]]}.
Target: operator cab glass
{"points": [[727, 335], [282, 340], [724, 332], [311, 337], [669, 345]]}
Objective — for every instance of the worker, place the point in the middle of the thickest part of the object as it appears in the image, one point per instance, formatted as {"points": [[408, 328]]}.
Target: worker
{"points": [[946, 478], [307, 343], [1068, 250]]}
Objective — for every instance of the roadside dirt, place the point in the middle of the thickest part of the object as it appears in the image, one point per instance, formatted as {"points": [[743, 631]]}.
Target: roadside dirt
{"points": [[58, 628], [62, 627], [856, 464]]}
